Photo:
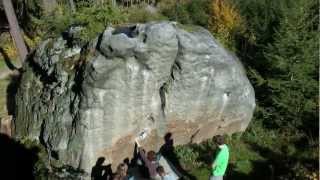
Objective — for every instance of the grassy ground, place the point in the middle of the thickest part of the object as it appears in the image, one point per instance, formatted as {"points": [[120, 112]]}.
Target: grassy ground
{"points": [[258, 153], [4, 67], [4, 82], [3, 89], [2, 64]]}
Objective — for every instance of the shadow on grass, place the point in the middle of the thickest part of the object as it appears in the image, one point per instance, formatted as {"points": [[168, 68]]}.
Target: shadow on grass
{"points": [[277, 163], [167, 150], [260, 170], [12, 91], [282, 163], [14, 77]]}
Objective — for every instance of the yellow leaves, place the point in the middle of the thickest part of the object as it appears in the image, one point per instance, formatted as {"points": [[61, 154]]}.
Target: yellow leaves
{"points": [[312, 176], [224, 14], [10, 51], [225, 20], [32, 42], [9, 47]]}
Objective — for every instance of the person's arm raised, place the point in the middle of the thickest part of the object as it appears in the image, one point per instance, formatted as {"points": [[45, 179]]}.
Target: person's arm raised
{"points": [[137, 142], [142, 152]]}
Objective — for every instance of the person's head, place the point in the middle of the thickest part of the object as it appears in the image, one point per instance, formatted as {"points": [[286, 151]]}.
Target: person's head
{"points": [[100, 161], [122, 170], [151, 156], [126, 161], [168, 137], [160, 171], [219, 140]]}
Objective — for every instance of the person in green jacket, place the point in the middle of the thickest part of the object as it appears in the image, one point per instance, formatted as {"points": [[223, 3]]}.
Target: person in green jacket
{"points": [[220, 162]]}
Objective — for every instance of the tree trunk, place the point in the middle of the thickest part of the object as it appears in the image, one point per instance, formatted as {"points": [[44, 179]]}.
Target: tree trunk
{"points": [[15, 29], [114, 3], [72, 6]]}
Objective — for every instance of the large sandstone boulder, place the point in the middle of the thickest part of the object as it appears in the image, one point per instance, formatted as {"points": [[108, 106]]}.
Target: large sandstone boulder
{"points": [[84, 102]]}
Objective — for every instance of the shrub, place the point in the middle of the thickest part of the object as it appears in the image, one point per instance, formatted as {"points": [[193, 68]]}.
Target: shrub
{"points": [[187, 156], [167, 8], [199, 12], [8, 46], [139, 14], [91, 17], [225, 21], [299, 171], [186, 12], [94, 19], [48, 26], [177, 11]]}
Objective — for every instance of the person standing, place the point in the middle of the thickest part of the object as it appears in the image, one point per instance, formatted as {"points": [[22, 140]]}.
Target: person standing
{"points": [[150, 161], [221, 159]]}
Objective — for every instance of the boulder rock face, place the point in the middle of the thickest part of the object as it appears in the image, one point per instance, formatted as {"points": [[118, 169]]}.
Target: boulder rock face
{"points": [[91, 101]]}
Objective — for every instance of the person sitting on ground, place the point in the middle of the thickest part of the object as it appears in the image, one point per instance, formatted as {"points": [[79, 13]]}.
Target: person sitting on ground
{"points": [[163, 174], [150, 161], [220, 162], [121, 173]]}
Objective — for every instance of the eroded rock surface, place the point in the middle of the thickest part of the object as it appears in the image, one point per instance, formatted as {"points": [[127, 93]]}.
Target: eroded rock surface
{"points": [[152, 77]]}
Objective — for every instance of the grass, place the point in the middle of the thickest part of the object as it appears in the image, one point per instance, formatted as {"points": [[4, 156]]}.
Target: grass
{"points": [[259, 153], [2, 64], [4, 82], [200, 173], [241, 163], [3, 94], [3, 90], [241, 155]]}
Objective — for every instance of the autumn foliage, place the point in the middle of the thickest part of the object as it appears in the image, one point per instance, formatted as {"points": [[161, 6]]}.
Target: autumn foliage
{"points": [[224, 20]]}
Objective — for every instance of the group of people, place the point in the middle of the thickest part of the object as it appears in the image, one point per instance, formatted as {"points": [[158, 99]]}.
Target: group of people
{"points": [[151, 168], [155, 170]]}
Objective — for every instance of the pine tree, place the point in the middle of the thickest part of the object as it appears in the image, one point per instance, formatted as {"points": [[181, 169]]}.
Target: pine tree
{"points": [[293, 59]]}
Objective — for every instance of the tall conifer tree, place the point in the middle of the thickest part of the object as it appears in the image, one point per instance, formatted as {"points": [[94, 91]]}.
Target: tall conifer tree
{"points": [[293, 59]]}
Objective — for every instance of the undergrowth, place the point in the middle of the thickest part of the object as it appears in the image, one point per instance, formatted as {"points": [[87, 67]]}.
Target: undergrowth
{"points": [[255, 154]]}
